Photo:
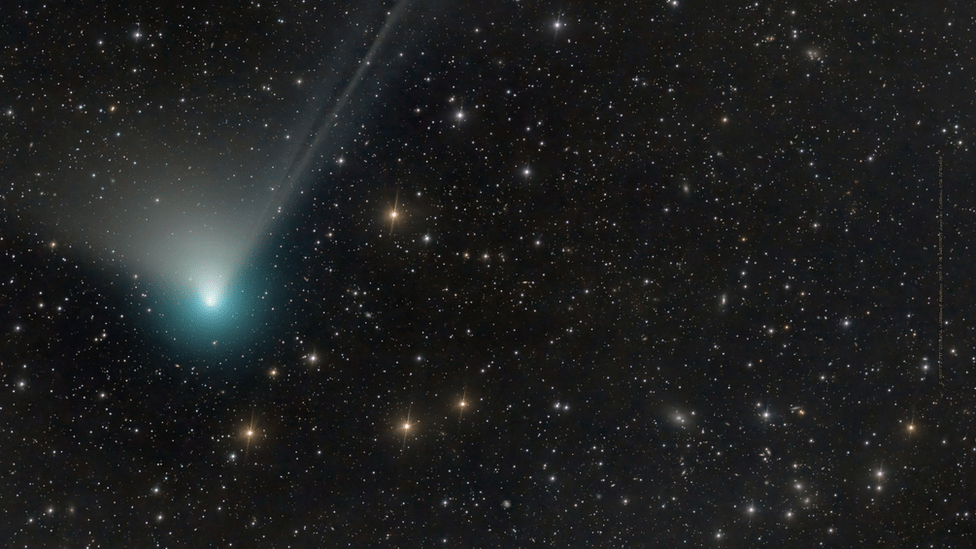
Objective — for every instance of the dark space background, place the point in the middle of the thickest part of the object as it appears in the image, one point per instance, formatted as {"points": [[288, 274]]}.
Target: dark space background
{"points": [[680, 260]]}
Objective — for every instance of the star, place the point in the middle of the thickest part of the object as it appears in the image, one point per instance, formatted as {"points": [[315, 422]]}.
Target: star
{"points": [[462, 404], [249, 433], [394, 213], [406, 427]]}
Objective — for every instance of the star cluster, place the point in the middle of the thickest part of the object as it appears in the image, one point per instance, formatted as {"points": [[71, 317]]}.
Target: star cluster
{"points": [[496, 274]]}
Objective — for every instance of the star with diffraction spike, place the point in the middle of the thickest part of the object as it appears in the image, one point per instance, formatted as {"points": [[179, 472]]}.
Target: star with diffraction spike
{"points": [[406, 427], [394, 213], [249, 433], [462, 404]]}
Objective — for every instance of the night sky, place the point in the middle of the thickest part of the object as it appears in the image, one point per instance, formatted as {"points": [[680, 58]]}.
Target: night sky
{"points": [[486, 274]]}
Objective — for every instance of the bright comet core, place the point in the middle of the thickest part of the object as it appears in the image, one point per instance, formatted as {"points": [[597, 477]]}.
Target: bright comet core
{"points": [[211, 288], [211, 299]]}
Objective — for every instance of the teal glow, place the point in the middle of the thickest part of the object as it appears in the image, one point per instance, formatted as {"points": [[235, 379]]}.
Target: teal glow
{"points": [[211, 318]]}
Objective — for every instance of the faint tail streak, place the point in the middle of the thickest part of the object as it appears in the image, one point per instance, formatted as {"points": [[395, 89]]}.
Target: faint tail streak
{"points": [[303, 158], [941, 271]]}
